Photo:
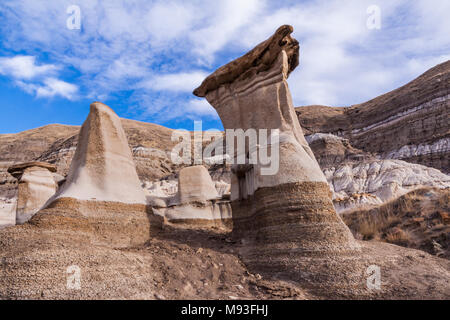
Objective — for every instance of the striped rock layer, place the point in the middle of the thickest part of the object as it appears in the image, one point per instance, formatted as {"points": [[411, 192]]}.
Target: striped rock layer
{"points": [[289, 215]]}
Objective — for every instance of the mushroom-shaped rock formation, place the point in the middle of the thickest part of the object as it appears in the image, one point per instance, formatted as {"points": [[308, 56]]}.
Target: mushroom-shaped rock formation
{"points": [[196, 202], [36, 186], [291, 208], [287, 217]]}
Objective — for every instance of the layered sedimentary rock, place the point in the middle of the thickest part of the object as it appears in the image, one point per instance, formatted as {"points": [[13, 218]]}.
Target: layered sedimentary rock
{"points": [[102, 189], [195, 184], [195, 202], [289, 214], [416, 115], [7, 212], [331, 150], [150, 145], [375, 182], [102, 168], [359, 180], [36, 186]]}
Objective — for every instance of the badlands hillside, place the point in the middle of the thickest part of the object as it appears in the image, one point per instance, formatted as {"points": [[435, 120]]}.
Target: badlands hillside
{"points": [[410, 123], [108, 200], [362, 175]]}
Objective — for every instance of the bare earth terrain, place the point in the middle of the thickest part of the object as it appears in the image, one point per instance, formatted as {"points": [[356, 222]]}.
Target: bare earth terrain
{"points": [[288, 240]]}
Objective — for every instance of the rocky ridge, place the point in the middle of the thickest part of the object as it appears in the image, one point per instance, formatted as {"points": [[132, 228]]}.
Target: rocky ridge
{"points": [[416, 114]]}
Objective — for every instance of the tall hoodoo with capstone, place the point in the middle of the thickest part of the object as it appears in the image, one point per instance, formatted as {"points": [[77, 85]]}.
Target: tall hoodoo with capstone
{"points": [[289, 213]]}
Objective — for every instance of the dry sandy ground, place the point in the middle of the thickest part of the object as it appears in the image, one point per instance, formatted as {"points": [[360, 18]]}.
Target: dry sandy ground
{"points": [[125, 253], [119, 260]]}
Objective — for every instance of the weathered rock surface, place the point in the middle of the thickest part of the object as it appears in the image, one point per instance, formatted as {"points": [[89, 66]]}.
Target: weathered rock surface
{"points": [[114, 244], [196, 200], [410, 123], [287, 222], [287, 215], [195, 185], [360, 180], [331, 150], [150, 144], [102, 168], [7, 212], [36, 186], [368, 183]]}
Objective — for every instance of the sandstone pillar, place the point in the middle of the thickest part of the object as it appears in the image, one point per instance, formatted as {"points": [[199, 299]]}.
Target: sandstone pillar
{"points": [[197, 202], [195, 184], [102, 168], [102, 191], [290, 213], [36, 186]]}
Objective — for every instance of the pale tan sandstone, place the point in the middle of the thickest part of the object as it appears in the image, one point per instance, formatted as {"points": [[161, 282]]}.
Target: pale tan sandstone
{"points": [[252, 93], [7, 212], [196, 202], [195, 184], [36, 186], [102, 168], [286, 222]]}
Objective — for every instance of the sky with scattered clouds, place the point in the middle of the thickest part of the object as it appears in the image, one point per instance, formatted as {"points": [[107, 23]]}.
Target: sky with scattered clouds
{"points": [[143, 58]]}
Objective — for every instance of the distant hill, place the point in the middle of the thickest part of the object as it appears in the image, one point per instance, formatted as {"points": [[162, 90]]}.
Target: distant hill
{"points": [[411, 123]]}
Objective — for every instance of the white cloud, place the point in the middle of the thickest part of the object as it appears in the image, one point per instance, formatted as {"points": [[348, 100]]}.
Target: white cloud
{"points": [[27, 75], [225, 22], [51, 87], [149, 48], [54, 87], [178, 82], [201, 107], [24, 67]]}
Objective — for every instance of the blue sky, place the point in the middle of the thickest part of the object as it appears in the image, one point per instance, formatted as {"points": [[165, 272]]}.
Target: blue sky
{"points": [[143, 58]]}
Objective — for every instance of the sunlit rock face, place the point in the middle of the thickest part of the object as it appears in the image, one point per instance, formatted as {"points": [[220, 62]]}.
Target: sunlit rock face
{"points": [[289, 214], [36, 186], [359, 180], [409, 123], [102, 190], [102, 168], [196, 202], [369, 183], [7, 212]]}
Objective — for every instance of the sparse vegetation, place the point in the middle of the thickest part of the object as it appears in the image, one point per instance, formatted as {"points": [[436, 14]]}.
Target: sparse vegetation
{"points": [[418, 219]]}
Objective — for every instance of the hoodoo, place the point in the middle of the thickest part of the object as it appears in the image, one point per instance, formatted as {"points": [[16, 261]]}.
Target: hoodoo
{"points": [[102, 168], [36, 186], [287, 215], [196, 202], [102, 184]]}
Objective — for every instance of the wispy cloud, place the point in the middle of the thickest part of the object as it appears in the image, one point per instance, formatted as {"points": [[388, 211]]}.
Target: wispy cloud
{"points": [[50, 87], [150, 55], [24, 67], [178, 82], [36, 79]]}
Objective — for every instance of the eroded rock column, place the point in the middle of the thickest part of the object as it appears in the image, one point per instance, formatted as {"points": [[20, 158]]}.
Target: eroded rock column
{"points": [[102, 168], [290, 213], [196, 202], [36, 186], [102, 189]]}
